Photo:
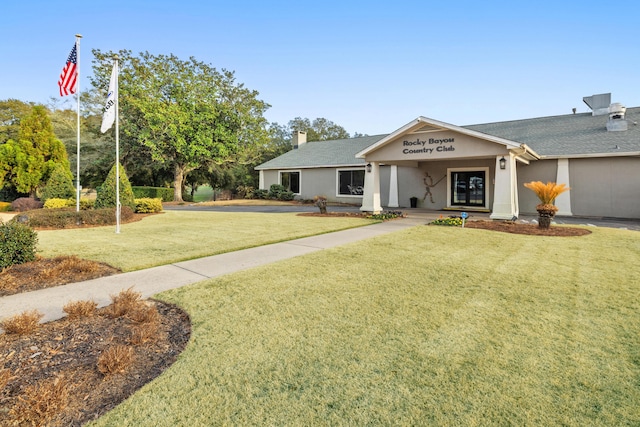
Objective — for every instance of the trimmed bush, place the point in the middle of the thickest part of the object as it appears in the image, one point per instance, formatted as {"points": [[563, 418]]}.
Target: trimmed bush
{"points": [[5, 206], [260, 194], [56, 203], [68, 217], [148, 205], [59, 185], [106, 196], [276, 190], [24, 204], [17, 244], [163, 193], [86, 204]]}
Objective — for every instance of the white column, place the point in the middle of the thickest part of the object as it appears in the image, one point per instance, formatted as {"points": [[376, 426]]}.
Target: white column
{"points": [[563, 201], [505, 190], [393, 187], [261, 181], [371, 196]]}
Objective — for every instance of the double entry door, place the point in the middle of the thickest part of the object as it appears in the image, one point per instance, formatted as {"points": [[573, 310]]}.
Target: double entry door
{"points": [[468, 188]]}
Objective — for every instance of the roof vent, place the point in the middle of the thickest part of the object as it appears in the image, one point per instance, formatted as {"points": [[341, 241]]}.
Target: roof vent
{"points": [[599, 104], [616, 120]]}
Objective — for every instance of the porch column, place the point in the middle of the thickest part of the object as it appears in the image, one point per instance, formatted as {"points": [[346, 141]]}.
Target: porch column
{"points": [[261, 182], [371, 196], [393, 187], [505, 190], [563, 201]]}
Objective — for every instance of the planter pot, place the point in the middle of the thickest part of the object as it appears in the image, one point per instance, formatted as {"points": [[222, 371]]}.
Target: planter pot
{"points": [[545, 217], [414, 202]]}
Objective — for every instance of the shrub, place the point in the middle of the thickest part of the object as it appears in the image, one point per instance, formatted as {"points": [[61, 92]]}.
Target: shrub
{"points": [[23, 323], [124, 303], [451, 221], [276, 190], [5, 206], [384, 216], [287, 196], [245, 191], [260, 194], [79, 309], [17, 243], [87, 204], [116, 359], [59, 185], [24, 204], [40, 403], [143, 313], [55, 203], [62, 218], [143, 333], [163, 193], [106, 193], [148, 205]]}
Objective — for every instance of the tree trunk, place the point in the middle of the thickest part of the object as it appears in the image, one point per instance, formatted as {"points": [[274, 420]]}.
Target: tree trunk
{"points": [[178, 177]]}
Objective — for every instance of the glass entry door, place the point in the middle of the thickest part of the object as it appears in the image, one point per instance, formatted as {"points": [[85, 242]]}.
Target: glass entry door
{"points": [[467, 188]]}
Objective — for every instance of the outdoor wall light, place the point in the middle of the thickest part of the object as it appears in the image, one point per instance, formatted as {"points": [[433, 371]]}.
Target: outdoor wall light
{"points": [[368, 167], [503, 163]]}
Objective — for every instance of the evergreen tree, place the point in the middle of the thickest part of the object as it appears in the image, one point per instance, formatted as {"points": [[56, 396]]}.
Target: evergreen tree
{"points": [[59, 185], [106, 196]]}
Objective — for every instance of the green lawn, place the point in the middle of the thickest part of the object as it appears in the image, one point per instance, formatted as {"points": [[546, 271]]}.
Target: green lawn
{"points": [[181, 235], [427, 326]]}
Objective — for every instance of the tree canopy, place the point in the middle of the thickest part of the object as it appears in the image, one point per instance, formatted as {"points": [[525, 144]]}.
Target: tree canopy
{"points": [[186, 113], [26, 163], [319, 129]]}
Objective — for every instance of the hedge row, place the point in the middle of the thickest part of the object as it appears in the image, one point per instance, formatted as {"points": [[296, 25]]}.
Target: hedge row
{"points": [[62, 218], [165, 194]]}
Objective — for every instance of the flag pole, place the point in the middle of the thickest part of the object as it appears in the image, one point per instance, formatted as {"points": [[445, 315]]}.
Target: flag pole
{"points": [[115, 58], [78, 187]]}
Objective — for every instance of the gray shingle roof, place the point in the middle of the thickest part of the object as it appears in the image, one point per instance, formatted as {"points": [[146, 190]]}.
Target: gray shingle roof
{"points": [[554, 136], [339, 152], [569, 135]]}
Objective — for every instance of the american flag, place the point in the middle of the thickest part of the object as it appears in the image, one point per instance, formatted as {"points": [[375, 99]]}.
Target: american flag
{"points": [[67, 81]]}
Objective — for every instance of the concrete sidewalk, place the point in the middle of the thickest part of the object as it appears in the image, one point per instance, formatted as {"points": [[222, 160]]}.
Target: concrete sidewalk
{"points": [[157, 279]]}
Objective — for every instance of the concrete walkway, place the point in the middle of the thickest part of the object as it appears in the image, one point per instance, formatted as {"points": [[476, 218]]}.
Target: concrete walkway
{"points": [[157, 279], [154, 280]]}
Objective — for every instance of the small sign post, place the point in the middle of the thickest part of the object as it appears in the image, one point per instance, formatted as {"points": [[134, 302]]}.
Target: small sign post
{"points": [[464, 216]]}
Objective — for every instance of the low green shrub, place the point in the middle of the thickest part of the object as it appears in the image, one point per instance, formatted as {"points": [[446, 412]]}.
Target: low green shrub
{"points": [[386, 215], [86, 204], [59, 185], [17, 244], [163, 193], [106, 193], [56, 203], [245, 191], [260, 194], [5, 206], [68, 217], [148, 205], [276, 190], [451, 221]]}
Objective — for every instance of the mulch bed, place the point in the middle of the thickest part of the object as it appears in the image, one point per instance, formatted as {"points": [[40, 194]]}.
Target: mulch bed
{"points": [[69, 350], [528, 229]]}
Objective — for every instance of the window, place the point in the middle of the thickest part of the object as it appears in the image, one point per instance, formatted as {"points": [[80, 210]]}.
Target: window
{"points": [[291, 181], [351, 182]]}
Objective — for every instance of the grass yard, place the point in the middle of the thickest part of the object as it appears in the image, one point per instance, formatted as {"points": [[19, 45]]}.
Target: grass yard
{"points": [[181, 235], [428, 326]]}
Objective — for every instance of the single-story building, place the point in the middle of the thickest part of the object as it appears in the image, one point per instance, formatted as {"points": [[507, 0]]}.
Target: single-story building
{"points": [[478, 167]]}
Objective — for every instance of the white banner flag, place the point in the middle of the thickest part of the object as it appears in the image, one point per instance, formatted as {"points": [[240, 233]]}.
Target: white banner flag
{"points": [[110, 107]]}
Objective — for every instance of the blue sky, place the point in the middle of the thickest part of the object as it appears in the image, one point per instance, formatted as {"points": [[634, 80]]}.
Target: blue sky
{"points": [[370, 67]]}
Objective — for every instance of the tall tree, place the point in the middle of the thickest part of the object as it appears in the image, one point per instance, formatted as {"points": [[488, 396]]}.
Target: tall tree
{"points": [[28, 162], [186, 113], [320, 129], [11, 112]]}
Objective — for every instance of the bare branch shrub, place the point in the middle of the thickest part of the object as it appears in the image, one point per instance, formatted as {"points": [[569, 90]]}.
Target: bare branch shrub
{"points": [[42, 402], [79, 309], [116, 359]]}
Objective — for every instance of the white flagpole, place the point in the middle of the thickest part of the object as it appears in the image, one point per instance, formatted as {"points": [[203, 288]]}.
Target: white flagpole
{"points": [[117, 149], [78, 37]]}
